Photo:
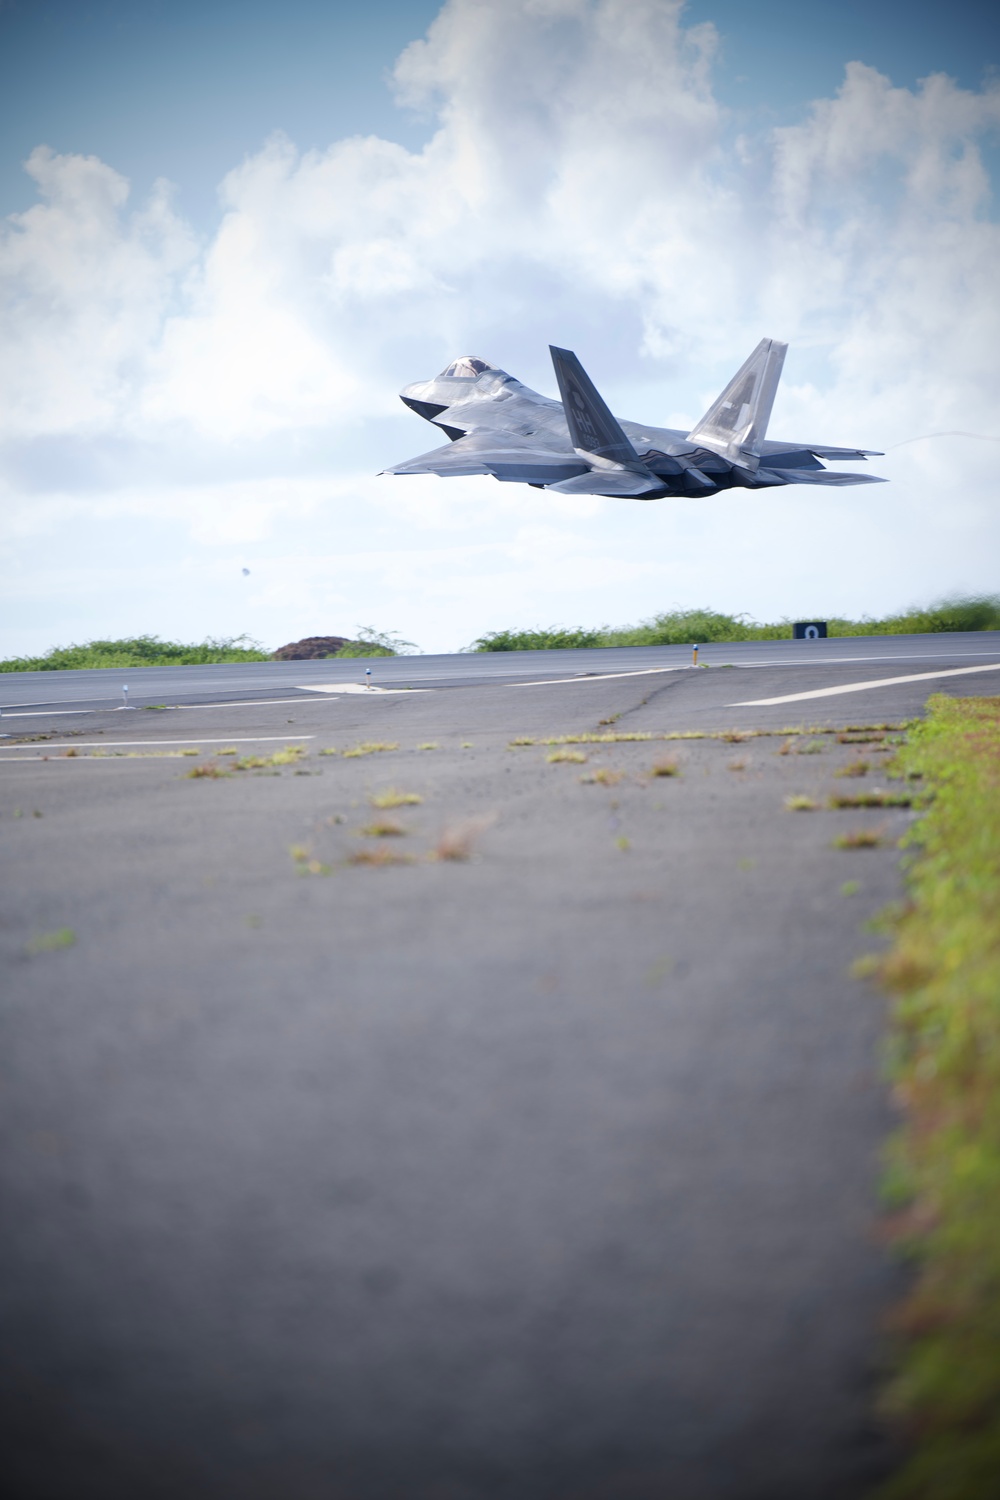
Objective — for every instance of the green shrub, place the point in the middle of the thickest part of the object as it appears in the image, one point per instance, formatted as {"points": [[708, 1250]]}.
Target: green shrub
{"points": [[356, 648], [139, 651], [553, 639], [680, 627], [372, 642]]}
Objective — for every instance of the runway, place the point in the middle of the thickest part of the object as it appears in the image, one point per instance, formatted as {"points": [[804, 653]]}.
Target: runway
{"points": [[101, 689], [526, 1152]]}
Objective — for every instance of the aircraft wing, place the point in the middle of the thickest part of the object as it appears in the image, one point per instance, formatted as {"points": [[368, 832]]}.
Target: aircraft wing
{"points": [[505, 455]]}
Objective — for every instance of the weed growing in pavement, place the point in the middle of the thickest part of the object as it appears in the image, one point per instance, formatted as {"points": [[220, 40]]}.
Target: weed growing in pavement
{"points": [[611, 719], [855, 768], [51, 942], [860, 838], [305, 861], [330, 750], [731, 736], [393, 798], [209, 771], [560, 755], [383, 828], [622, 843], [869, 799], [850, 888], [603, 776], [430, 745], [811, 747], [190, 752], [799, 802], [852, 737], [665, 768], [468, 745], [379, 857], [228, 750], [598, 739], [737, 765], [371, 747], [458, 841], [291, 755]]}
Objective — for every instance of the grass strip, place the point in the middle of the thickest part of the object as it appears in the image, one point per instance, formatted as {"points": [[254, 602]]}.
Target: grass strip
{"points": [[943, 1178]]}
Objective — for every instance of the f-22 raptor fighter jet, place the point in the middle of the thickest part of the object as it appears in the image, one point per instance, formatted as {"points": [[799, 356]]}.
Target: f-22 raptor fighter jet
{"points": [[576, 447]]}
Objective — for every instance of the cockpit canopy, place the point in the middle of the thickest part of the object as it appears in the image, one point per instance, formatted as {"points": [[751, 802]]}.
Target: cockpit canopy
{"points": [[466, 368]]}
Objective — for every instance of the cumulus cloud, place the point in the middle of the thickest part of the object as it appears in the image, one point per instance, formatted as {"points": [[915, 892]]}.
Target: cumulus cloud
{"points": [[581, 179], [86, 286]]}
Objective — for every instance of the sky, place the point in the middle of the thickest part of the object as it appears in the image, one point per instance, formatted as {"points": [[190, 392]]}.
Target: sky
{"points": [[233, 230]]}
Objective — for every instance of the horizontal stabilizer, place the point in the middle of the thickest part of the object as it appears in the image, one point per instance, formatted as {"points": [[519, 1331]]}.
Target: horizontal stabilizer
{"points": [[610, 482], [817, 476], [847, 453], [592, 428], [735, 425]]}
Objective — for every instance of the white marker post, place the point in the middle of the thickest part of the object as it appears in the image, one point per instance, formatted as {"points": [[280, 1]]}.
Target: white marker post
{"points": [[368, 677], [694, 656], [124, 695]]}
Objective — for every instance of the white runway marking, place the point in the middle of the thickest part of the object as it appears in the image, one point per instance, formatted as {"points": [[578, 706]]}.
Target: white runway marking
{"points": [[598, 676], [51, 713], [243, 703], [193, 739], [354, 687], [861, 687]]}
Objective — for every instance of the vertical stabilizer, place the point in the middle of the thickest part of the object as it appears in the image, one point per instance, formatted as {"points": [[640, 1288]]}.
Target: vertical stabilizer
{"points": [[736, 424], [592, 428]]}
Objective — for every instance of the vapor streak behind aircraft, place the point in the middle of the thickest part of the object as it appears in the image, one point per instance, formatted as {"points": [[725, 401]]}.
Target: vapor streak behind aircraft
{"points": [[577, 447]]}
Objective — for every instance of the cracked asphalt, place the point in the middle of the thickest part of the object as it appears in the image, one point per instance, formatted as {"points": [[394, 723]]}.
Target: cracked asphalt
{"points": [[545, 1174]]}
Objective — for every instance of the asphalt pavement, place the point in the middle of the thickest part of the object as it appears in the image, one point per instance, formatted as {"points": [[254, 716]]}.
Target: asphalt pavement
{"points": [[537, 1160], [101, 688]]}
